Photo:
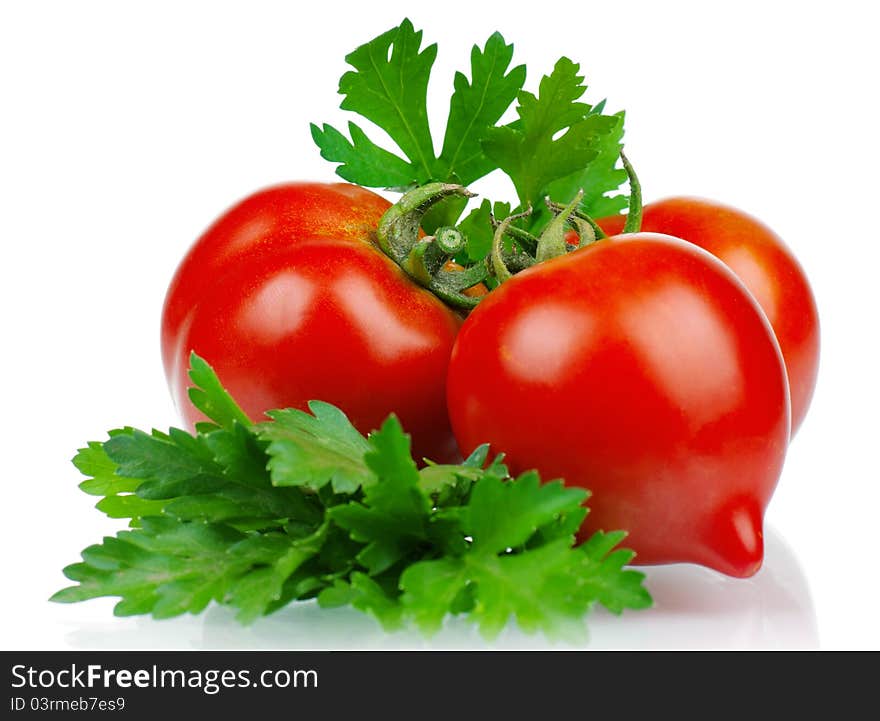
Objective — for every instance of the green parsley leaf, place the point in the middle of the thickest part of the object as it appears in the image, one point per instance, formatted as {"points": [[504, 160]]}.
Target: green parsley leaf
{"points": [[476, 106], [601, 574], [477, 228], [259, 516], [211, 398], [313, 450], [537, 586], [219, 476], [169, 567], [555, 137], [166, 463], [388, 86], [361, 160], [558, 146], [598, 178], [393, 517], [273, 559], [104, 479], [548, 588], [505, 515], [166, 568], [182, 471], [430, 588], [365, 594]]}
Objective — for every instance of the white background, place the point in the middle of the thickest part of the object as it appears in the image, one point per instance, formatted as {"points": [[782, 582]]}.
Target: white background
{"points": [[126, 128]]}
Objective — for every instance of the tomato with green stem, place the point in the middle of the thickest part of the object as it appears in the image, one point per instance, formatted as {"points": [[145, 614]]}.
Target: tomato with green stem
{"points": [[290, 298], [641, 368], [638, 366]]}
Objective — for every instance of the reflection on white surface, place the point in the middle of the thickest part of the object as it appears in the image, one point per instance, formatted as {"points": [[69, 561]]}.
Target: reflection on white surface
{"points": [[694, 608]]}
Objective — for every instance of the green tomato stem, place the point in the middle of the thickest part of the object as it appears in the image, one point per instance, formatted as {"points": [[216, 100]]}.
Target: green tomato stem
{"points": [[450, 240], [458, 280], [398, 231], [448, 285], [527, 242], [500, 266], [585, 231], [634, 216], [551, 243], [583, 223], [422, 259]]}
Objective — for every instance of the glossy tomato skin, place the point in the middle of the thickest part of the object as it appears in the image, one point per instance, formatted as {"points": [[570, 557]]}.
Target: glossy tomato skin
{"points": [[764, 264], [271, 218], [638, 367], [288, 309]]}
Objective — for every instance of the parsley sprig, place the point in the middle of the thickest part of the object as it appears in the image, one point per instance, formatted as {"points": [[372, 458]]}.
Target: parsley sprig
{"points": [[389, 86], [557, 145], [256, 516]]}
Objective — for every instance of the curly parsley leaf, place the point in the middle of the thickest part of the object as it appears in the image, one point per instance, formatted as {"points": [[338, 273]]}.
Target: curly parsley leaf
{"points": [[505, 515], [477, 106], [555, 137], [313, 450], [103, 479], [393, 517], [538, 585], [259, 516], [599, 178], [211, 398], [396, 518], [170, 567], [477, 228], [388, 86], [361, 160], [601, 573]]}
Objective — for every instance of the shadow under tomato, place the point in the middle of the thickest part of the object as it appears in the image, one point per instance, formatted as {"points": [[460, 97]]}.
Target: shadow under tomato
{"points": [[696, 608]]}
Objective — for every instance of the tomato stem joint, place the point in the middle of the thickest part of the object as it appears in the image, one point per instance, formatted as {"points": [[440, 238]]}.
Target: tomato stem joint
{"points": [[424, 258]]}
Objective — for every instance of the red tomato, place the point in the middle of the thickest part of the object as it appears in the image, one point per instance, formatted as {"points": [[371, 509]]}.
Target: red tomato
{"points": [[287, 297], [767, 267], [638, 367], [271, 218]]}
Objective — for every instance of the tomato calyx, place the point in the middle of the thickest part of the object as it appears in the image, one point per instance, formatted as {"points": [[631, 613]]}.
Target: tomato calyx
{"points": [[556, 239], [432, 260], [398, 230], [569, 229], [504, 263], [634, 216], [427, 259], [551, 243], [587, 230]]}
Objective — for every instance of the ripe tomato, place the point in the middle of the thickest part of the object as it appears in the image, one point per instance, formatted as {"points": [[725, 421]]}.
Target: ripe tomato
{"points": [[641, 368], [271, 218], [289, 299], [767, 267]]}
